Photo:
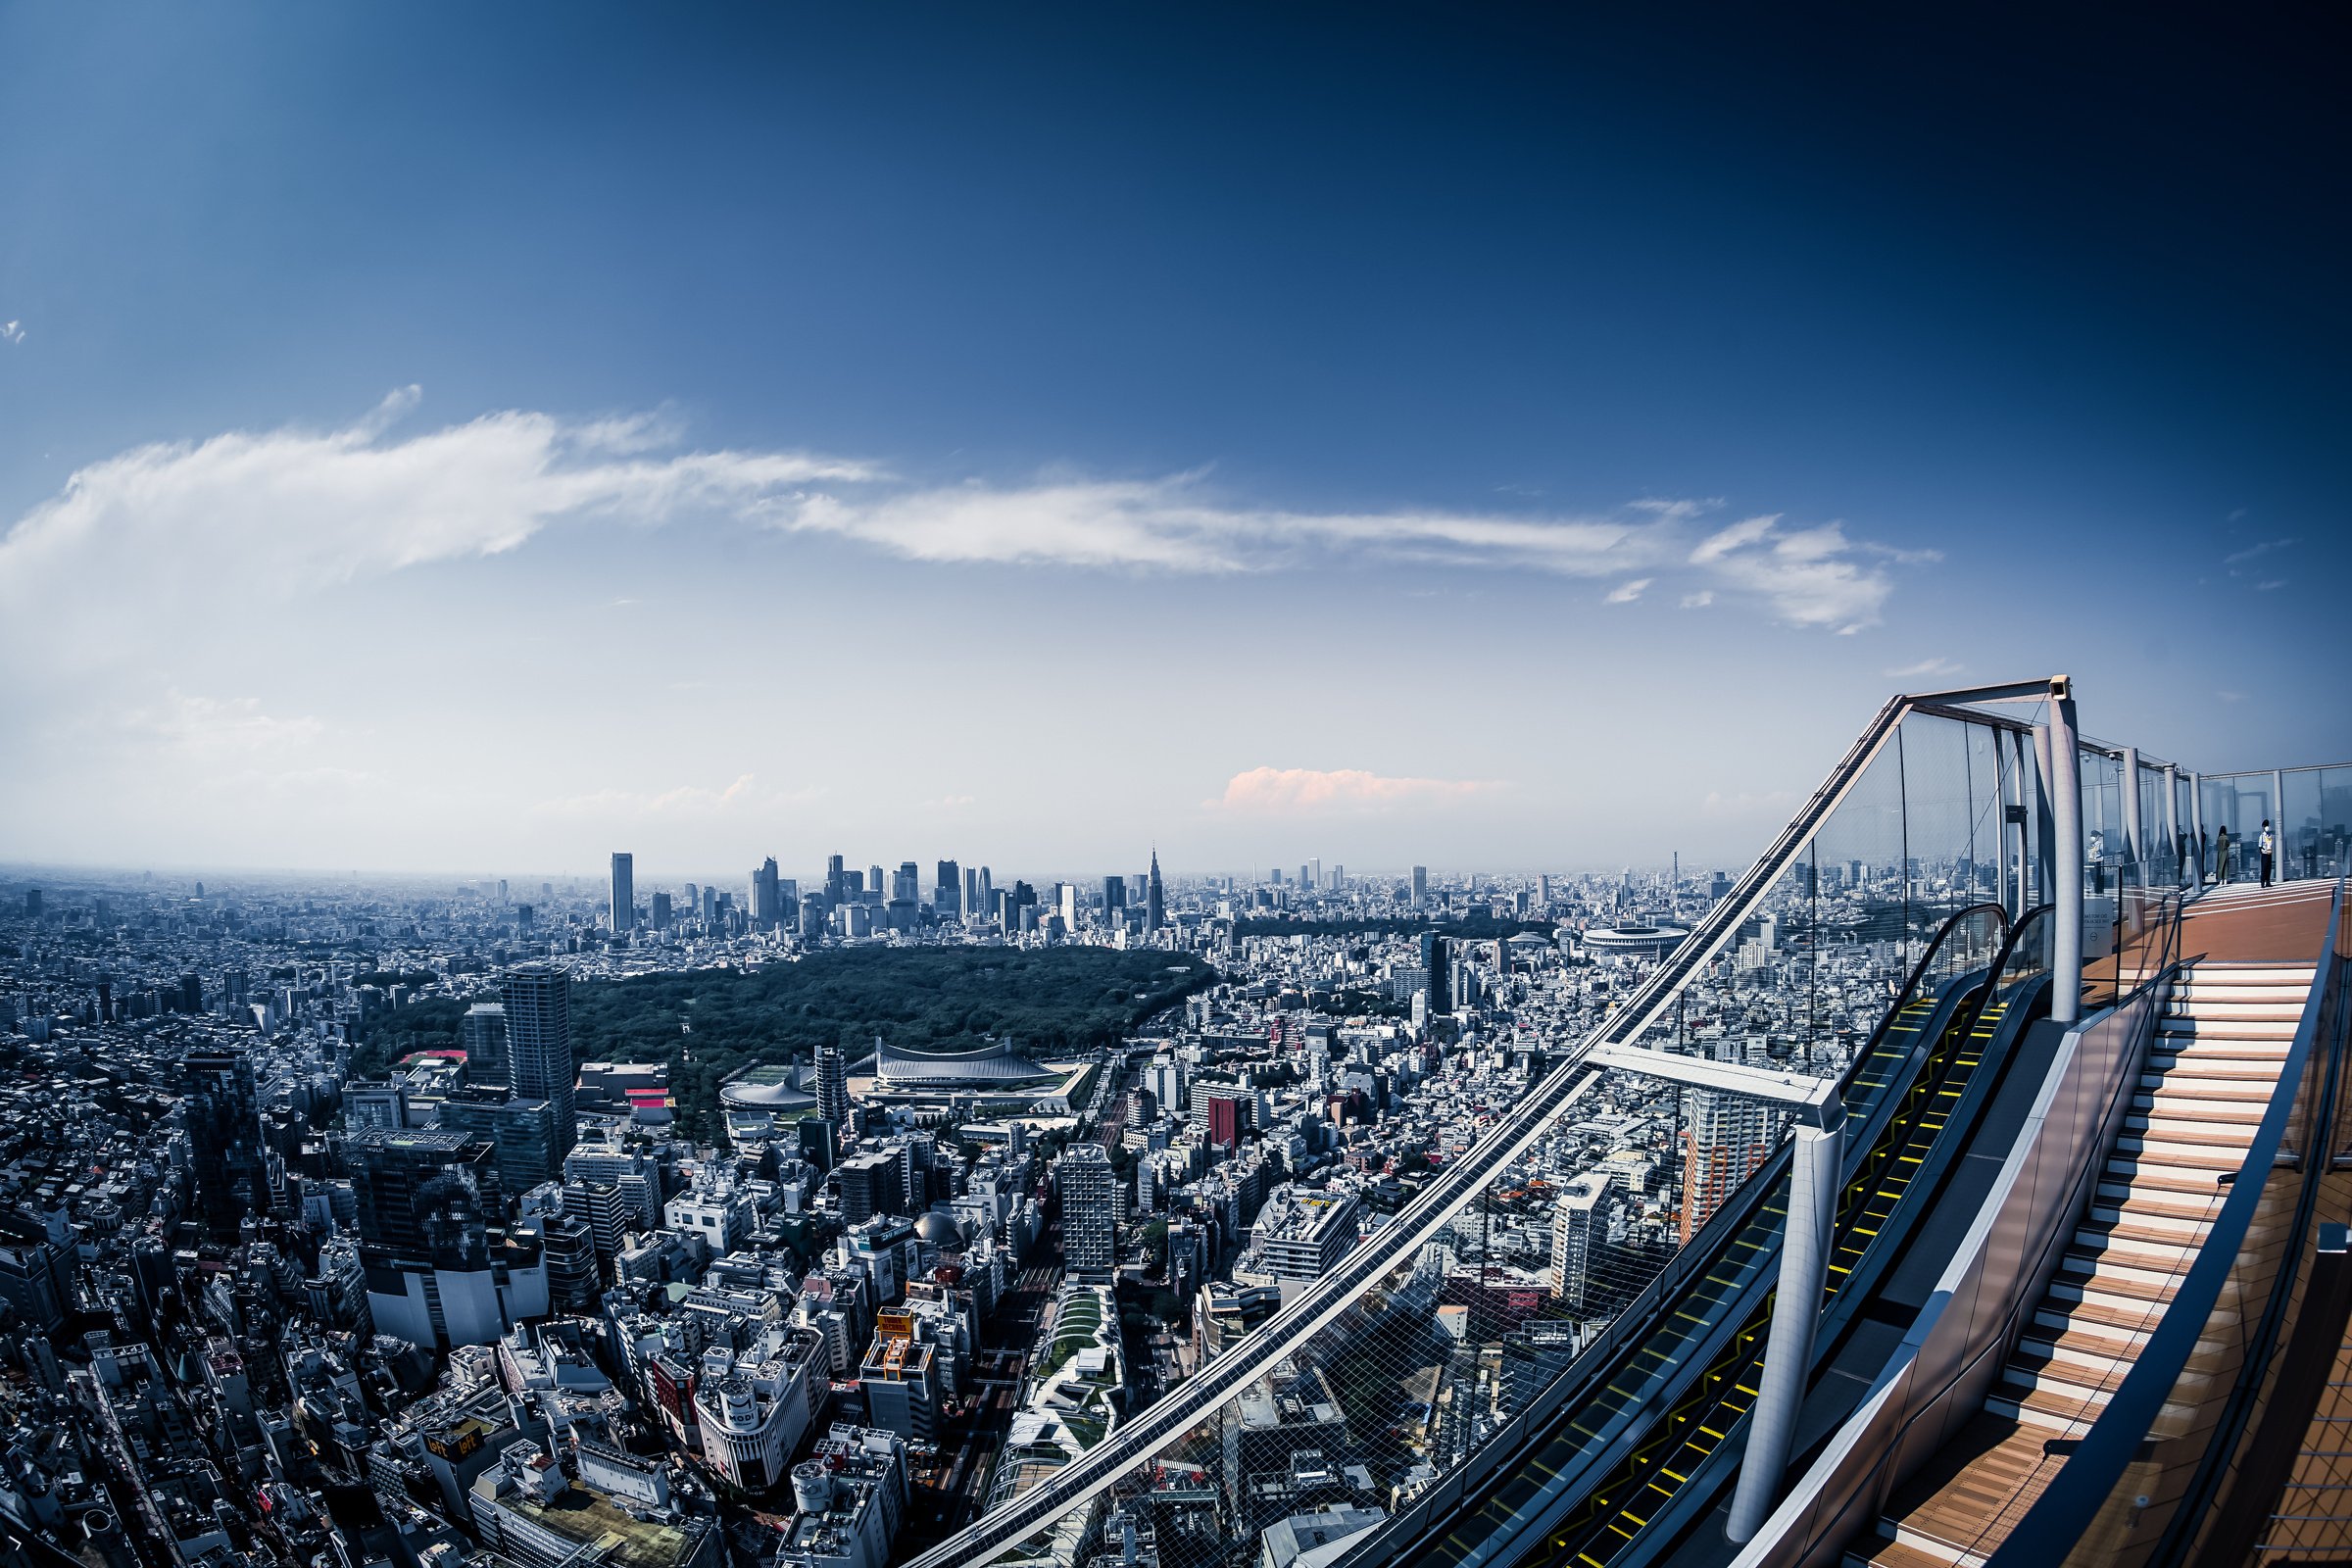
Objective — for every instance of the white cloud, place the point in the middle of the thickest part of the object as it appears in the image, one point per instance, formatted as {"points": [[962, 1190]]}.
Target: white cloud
{"points": [[1173, 524], [1807, 576], [12, 331], [1926, 666], [1284, 790], [176, 530], [290, 510]]}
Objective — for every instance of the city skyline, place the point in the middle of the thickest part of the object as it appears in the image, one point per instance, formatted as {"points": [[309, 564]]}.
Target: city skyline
{"points": [[1037, 494]]}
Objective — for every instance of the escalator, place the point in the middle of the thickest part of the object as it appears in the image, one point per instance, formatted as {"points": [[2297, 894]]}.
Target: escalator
{"points": [[1670, 1370], [1674, 1474]]}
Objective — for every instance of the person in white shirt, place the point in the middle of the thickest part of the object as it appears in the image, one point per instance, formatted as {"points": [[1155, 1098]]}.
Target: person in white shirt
{"points": [[2267, 847]]}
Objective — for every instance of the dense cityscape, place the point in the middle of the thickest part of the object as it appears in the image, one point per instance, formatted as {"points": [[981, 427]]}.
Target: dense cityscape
{"points": [[277, 1294]]}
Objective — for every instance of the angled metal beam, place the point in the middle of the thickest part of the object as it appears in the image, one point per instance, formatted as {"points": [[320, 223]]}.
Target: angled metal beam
{"points": [[1814, 1098]]}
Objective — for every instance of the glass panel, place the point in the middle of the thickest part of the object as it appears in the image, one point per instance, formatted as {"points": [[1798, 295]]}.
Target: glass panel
{"points": [[2299, 825], [1591, 1280]]}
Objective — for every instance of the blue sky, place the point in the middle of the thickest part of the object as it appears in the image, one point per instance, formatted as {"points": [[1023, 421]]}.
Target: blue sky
{"points": [[432, 439]]}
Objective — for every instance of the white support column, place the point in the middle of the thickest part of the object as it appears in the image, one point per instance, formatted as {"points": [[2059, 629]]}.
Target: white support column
{"points": [[2278, 825], [1813, 1171], [2066, 868], [2136, 842], [2196, 826], [2172, 821]]}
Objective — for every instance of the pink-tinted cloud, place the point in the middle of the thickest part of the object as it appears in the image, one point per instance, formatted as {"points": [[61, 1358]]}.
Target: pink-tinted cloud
{"points": [[1270, 790]]}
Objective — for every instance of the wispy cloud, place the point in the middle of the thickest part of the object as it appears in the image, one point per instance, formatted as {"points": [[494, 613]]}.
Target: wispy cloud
{"points": [[12, 331], [1286, 791], [290, 510], [1926, 666], [2256, 552], [1809, 576], [745, 794], [1176, 524], [251, 515]]}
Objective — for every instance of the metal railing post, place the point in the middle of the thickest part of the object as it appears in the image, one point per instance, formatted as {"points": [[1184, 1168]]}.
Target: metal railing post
{"points": [[2066, 871], [2196, 825]]}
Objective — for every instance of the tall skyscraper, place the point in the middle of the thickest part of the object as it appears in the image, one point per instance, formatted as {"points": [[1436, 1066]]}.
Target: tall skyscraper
{"points": [[1420, 886], [1089, 1222], [224, 1138], [538, 999], [948, 891], [767, 896], [832, 1084], [624, 891], [1436, 962], [836, 879], [1114, 896], [1155, 907]]}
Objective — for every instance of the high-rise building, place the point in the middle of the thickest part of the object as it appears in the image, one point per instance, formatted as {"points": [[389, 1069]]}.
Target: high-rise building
{"points": [[1727, 1138], [948, 890], [484, 1036], [1436, 963], [1089, 1222], [521, 1132], [1420, 886], [836, 879], [1114, 896], [1579, 1226], [1155, 907], [832, 1084], [224, 1138], [425, 1196], [972, 903], [624, 892], [768, 896], [538, 999]]}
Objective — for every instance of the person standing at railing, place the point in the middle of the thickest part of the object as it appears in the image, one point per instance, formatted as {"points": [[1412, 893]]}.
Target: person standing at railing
{"points": [[2220, 854], [2268, 846]]}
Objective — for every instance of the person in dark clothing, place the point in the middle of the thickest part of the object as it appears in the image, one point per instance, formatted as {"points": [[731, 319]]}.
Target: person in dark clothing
{"points": [[2267, 846], [2220, 854]]}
